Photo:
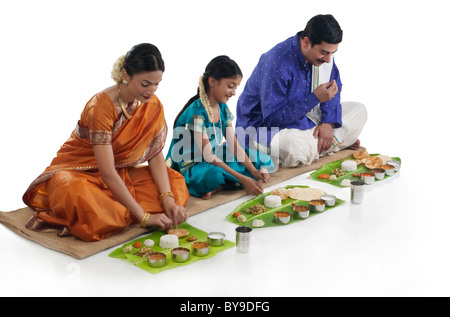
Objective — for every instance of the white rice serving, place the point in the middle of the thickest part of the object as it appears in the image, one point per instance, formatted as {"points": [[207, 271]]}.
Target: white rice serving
{"points": [[271, 201], [349, 165], [168, 241]]}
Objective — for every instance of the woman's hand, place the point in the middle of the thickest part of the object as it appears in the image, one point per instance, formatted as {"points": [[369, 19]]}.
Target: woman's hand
{"points": [[176, 213], [160, 220]]}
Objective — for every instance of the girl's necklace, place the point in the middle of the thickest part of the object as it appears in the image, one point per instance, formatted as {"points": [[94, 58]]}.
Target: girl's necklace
{"points": [[220, 129]]}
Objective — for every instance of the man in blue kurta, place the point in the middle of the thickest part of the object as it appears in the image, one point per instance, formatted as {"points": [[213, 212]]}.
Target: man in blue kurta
{"points": [[291, 106]]}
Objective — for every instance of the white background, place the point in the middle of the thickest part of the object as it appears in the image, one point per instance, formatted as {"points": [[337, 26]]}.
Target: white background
{"points": [[394, 58]]}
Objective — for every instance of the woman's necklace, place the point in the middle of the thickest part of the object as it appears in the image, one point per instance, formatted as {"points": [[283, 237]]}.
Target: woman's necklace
{"points": [[123, 107]]}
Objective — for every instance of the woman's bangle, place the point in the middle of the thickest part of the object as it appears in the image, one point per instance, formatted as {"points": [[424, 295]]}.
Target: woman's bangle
{"points": [[164, 195], [144, 220]]}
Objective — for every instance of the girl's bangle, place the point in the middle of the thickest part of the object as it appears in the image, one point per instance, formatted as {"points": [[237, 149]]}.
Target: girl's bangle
{"points": [[164, 195], [144, 220]]}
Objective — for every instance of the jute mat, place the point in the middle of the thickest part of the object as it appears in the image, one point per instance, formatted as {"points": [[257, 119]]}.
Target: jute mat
{"points": [[15, 220]]}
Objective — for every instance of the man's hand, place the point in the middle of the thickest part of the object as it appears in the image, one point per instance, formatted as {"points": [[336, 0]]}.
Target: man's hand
{"points": [[326, 91], [325, 134]]}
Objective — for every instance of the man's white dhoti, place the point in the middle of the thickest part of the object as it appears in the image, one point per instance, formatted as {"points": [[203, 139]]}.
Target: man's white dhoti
{"points": [[292, 147]]}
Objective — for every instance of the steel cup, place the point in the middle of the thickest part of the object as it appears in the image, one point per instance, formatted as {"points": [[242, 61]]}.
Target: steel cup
{"points": [[200, 248], [395, 163], [157, 259], [180, 254], [300, 211], [330, 200], [389, 169], [243, 238], [357, 192], [317, 205], [368, 178], [378, 172], [216, 239], [282, 217]]}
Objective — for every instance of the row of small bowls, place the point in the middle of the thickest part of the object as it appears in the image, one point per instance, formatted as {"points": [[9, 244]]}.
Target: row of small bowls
{"points": [[302, 212], [180, 254], [388, 169]]}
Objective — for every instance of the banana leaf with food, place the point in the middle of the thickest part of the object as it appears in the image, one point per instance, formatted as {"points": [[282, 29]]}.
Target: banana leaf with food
{"points": [[327, 169], [268, 216], [135, 258]]}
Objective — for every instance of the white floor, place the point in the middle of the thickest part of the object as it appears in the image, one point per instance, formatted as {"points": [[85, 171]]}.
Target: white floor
{"points": [[394, 244]]}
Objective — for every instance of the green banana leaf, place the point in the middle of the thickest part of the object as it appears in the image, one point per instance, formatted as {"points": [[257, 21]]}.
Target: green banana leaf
{"points": [[268, 217], [142, 262], [328, 168]]}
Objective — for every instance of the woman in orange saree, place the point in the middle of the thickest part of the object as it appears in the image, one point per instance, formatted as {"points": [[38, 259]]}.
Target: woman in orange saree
{"points": [[96, 185]]}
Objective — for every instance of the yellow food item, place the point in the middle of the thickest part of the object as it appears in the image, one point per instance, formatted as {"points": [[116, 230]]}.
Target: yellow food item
{"points": [[282, 192], [305, 194], [180, 233], [385, 158], [373, 162], [361, 154]]}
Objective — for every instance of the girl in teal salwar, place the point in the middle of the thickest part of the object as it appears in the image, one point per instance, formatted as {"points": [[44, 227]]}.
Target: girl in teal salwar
{"points": [[197, 149]]}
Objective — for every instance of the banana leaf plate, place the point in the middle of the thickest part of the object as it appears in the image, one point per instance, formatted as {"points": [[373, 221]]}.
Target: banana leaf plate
{"points": [[329, 167], [268, 216], [142, 262]]}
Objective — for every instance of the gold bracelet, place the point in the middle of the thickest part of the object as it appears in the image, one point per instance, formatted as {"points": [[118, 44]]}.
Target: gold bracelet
{"points": [[164, 195], [144, 220]]}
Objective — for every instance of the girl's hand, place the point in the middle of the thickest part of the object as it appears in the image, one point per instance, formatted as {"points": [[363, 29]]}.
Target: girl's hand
{"points": [[262, 174], [251, 186], [175, 212]]}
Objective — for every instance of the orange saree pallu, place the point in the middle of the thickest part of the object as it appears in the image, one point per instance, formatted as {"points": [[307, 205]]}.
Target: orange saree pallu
{"points": [[70, 195]]}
